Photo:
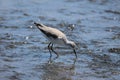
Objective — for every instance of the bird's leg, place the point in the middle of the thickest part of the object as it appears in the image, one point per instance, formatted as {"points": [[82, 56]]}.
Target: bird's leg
{"points": [[75, 53], [50, 60], [49, 47], [54, 51]]}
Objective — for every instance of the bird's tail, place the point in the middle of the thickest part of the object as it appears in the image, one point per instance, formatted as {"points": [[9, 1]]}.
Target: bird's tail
{"points": [[39, 24]]}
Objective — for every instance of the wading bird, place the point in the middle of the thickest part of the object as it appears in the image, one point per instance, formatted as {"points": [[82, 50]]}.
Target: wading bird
{"points": [[55, 36]]}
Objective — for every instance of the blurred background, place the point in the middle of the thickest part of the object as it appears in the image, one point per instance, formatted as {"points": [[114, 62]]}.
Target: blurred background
{"points": [[93, 24]]}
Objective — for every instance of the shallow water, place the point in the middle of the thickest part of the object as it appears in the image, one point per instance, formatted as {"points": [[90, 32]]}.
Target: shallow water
{"points": [[93, 24]]}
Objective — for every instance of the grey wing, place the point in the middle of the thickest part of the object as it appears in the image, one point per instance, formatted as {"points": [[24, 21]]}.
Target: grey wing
{"points": [[48, 34]]}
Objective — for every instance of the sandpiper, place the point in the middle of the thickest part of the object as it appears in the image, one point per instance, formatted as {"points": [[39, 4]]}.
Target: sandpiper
{"points": [[55, 36]]}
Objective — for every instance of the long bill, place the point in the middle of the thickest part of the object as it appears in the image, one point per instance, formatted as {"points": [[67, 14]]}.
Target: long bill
{"points": [[75, 53]]}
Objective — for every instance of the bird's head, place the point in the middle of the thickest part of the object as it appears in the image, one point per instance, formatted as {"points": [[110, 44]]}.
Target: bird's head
{"points": [[71, 44]]}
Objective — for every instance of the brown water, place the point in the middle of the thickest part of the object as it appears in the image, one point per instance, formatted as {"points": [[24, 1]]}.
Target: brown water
{"points": [[93, 24]]}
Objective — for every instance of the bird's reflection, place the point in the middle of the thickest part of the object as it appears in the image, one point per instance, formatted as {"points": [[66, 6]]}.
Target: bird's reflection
{"points": [[58, 70], [51, 60]]}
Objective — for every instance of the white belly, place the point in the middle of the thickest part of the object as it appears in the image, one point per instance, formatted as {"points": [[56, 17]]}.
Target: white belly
{"points": [[57, 41]]}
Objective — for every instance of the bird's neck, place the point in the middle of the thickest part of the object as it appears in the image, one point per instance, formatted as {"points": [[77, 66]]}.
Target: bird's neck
{"points": [[68, 42]]}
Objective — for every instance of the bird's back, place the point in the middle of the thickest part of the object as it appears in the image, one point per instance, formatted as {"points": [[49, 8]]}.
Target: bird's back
{"points": [[50, 32]]}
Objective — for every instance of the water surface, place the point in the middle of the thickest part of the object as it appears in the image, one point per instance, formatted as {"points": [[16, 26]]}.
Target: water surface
{"points": [[93, 24]]}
